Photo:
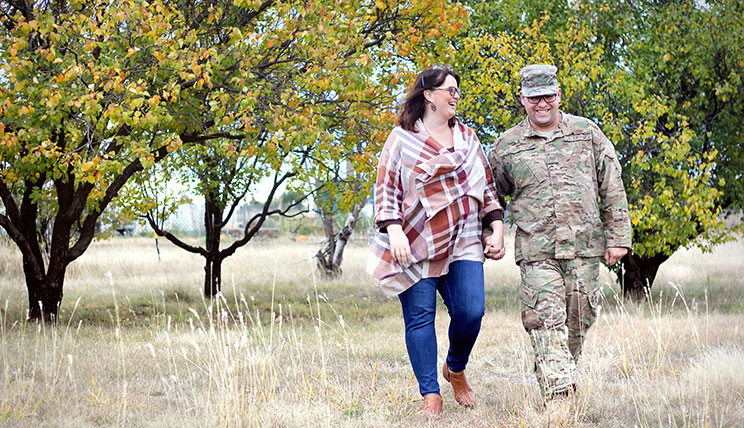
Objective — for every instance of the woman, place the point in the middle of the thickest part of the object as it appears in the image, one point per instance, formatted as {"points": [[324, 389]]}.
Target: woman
{"points": [[434, 189]]}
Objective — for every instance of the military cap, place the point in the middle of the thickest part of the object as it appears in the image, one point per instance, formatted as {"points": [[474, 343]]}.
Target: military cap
{"points": [[539, 79]]}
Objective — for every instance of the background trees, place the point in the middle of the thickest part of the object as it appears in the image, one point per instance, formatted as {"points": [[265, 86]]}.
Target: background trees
{"points": [[317, 85], [658, 80], [94, 92]]}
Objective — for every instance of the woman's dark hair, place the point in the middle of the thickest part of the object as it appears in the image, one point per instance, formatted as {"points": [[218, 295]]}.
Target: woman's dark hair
{"points": [[414, 105]]}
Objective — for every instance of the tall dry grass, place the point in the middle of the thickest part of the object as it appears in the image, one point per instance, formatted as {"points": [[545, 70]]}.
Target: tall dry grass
{"points": [[138, 346]]}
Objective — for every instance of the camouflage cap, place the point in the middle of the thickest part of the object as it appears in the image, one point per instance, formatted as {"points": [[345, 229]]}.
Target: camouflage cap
{"points": [[539, 79]]}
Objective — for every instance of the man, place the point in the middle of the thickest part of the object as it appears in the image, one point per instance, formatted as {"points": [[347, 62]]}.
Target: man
{"points": [[570, 209]]}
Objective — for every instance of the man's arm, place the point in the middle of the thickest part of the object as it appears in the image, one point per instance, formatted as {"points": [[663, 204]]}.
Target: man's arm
{"points": [[617, 229], [504, 185]]}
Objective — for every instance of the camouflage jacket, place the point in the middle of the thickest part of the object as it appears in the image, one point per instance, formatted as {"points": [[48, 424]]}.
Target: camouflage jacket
{"points": [[567, 195]]}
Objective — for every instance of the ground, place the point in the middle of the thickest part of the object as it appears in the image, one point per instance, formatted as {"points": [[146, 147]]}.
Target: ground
{"points": [[138, 346]]}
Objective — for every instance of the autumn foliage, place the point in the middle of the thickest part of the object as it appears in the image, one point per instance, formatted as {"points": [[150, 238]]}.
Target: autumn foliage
{"points": [[95, 92]]}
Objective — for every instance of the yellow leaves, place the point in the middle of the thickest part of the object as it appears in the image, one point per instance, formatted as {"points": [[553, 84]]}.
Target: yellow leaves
{"points": [[158, 55], [173, 144], [206, 79], [206, 54], [363, 60], [60, 78], [87, 166], [24, 110], [248, 123]]}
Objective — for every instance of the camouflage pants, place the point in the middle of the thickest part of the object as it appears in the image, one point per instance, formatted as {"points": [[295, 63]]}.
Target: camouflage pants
{"points": [[559, 303]]}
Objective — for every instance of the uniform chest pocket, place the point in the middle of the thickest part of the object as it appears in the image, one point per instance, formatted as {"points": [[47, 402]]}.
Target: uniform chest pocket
{"points": [[528, 165]]}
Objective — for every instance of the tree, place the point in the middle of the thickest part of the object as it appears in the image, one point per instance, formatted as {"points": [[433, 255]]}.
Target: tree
{"points": [[687, 60], [310, 87], [94, 92], [87, 99], [350, 204], [672, 180], [345, 185]]}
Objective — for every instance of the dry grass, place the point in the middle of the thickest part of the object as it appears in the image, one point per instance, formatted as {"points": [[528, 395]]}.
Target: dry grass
{"points": [[139, 347]]}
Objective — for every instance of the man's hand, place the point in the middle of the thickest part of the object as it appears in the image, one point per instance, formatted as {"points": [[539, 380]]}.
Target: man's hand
{"points": [[400, 249], [494, 248], [613, 254]]}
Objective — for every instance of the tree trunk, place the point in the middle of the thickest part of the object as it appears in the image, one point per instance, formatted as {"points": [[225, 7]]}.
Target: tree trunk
{"points": [[639, 274], [44, 292], [325, 256], [331, 256], [212, 277], [213, 261], [345, 233]]}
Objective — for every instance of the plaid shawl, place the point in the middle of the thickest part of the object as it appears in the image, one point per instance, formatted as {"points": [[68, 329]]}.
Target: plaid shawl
{"points": [[440, 196]]}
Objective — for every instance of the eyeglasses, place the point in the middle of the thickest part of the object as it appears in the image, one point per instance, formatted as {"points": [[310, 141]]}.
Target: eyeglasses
{"points": [[453, 90], [536, 100]]}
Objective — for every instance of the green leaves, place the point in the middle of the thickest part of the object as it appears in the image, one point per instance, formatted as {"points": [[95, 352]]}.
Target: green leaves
{"points": [[658, 78]]}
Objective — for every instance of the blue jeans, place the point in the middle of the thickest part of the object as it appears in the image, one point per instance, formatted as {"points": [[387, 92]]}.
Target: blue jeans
{"points": [[463, 294]]}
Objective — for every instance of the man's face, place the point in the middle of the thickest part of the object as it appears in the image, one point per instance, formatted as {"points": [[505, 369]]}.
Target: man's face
{"points": [[543, 114]]}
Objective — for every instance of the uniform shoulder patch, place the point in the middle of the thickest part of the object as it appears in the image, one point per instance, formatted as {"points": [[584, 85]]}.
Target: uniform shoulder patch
{"points": [[578, 137]]}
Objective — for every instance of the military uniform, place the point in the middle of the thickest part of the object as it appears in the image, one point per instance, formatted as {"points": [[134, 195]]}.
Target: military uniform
{"points": [[569, 205]]}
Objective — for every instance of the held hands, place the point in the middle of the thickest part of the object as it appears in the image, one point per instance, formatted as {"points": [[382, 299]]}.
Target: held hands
{"points": [[613, 254], [399, 246], [494, 248]]}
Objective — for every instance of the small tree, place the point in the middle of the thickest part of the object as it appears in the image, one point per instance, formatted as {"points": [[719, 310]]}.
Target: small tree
{"points": [[291, 109], [346, 186]]}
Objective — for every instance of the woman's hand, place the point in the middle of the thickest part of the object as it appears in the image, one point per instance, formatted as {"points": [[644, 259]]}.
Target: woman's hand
{"points": [[495, 243], [399, 246]]}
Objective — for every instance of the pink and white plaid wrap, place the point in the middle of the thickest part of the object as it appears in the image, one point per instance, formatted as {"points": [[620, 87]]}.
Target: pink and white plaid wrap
{"points": [[439, 195]]}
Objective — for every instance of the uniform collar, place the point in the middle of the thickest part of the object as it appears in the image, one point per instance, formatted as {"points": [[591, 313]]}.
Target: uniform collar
{"points": [[564, 127]]}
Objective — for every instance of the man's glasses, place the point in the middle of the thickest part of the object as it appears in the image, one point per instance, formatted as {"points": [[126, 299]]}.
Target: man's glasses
{"points": [[453, 90], [548, 98]]}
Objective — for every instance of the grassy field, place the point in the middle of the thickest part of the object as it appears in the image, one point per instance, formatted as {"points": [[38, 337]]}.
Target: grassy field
{"points": [[138, 346]]}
